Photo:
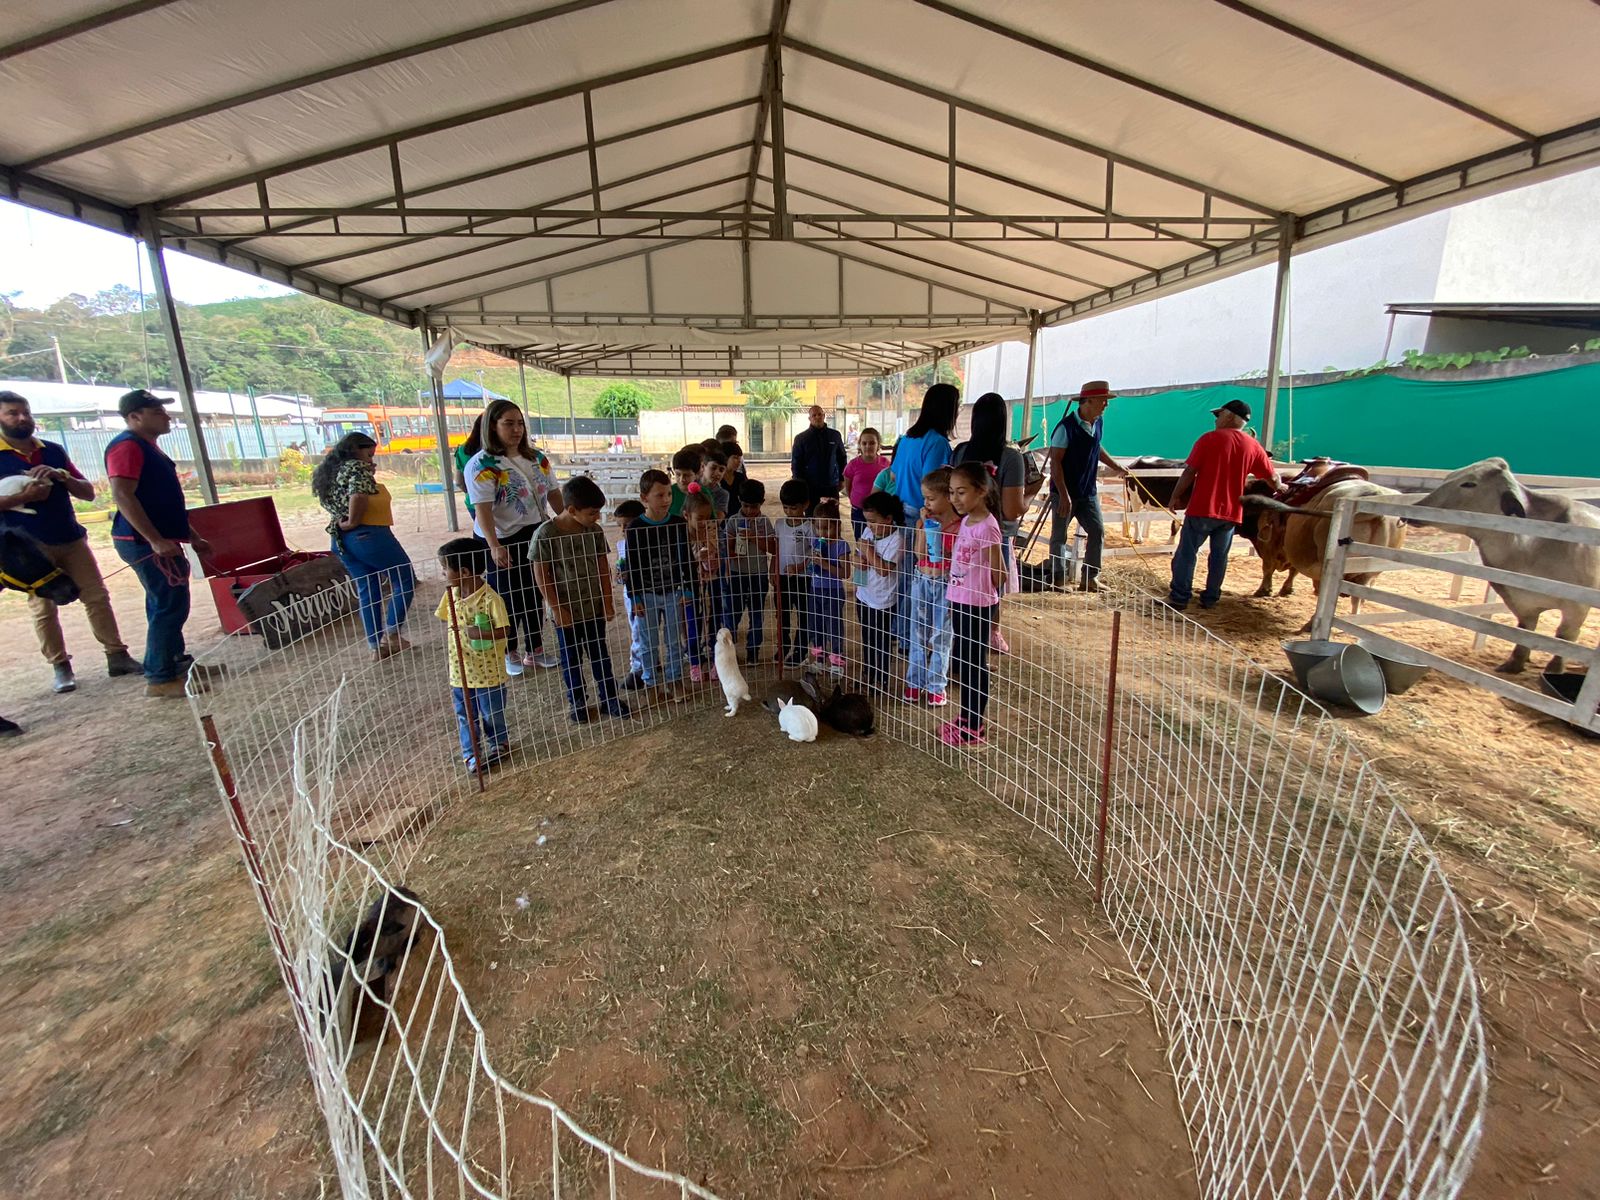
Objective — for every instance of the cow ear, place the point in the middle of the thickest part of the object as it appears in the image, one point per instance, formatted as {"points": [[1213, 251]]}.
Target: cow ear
{"points": [[1511, 504]]}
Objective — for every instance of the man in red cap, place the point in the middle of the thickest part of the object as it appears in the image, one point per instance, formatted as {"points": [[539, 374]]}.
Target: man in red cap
{"points": [[1211, 485], [1075, 460]]}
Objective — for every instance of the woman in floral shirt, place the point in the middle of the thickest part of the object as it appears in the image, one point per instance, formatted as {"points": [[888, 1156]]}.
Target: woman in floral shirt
{"points": [[511, 487], [362, 532]]}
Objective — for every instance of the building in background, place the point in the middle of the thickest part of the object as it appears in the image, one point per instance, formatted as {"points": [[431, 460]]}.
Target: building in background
{"points": [[1537, 245]]}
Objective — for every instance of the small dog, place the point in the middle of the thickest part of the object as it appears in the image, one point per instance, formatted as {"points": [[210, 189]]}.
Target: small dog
{"points": [[733, 685]]}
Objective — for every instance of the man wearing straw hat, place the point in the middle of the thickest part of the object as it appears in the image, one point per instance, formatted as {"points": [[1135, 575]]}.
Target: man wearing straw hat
{"points": [[1075, 458], [1211, 484]]}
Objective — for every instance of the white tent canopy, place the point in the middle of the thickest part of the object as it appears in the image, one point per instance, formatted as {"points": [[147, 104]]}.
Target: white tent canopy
{"points": [[774, 187]]}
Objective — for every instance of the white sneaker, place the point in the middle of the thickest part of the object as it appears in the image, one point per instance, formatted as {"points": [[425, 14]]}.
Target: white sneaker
{"points": [[513, 664]]}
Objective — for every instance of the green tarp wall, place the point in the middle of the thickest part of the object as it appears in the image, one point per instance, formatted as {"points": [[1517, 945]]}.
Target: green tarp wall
{"points": [[1544, 424]]}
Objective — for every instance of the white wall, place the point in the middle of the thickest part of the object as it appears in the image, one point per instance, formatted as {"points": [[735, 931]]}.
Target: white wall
{"points": [[1538, 244]]}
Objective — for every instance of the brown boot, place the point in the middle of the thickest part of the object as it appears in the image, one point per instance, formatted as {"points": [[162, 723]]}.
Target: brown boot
{"points": [[172, 689]]}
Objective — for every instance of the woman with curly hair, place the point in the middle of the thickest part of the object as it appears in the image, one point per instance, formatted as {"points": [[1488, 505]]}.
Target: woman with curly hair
{"points": [[361, 528], [512, 487]]}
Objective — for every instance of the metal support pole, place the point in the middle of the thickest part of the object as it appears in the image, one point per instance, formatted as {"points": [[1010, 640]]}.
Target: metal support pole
{"points": [[522, 378], [255, 415], [441, 430], [1027, 387], [572, 421], [1105, 763], [151, 236], [1280, 321]]}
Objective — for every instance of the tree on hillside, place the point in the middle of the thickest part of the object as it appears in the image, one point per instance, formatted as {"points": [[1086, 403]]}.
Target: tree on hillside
{"points": [[918, 380], [768, 403], [621, 401]]}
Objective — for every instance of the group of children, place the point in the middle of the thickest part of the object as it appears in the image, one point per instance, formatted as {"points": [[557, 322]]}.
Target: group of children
{"points": [[697, 553]]}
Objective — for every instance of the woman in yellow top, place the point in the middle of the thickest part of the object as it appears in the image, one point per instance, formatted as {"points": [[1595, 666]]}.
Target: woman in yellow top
{"points": [[361, 529]]}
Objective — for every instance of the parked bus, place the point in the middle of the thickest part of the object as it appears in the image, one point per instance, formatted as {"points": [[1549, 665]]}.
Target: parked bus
{"points": [[397, 430]]}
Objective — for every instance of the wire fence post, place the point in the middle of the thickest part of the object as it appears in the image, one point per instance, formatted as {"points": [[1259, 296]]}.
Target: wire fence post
{"points": [[1105, 762]]}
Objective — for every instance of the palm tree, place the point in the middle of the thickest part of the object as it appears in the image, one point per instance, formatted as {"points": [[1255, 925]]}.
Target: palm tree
{"points": [[768, 401]]}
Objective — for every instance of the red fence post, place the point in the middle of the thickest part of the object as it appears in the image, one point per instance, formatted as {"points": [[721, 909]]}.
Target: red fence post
{"points": [[1105, 763]]}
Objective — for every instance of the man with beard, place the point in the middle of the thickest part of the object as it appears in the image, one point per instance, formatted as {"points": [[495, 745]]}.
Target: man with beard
{"points": [[50, 521]]}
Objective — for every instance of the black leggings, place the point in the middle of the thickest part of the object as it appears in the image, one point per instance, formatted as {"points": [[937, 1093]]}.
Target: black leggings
{"points": [[969, 659], [874, 645], [516, 586]]}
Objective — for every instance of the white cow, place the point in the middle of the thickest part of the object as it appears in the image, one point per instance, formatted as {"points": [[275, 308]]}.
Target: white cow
{"points": [[1490, 487]]}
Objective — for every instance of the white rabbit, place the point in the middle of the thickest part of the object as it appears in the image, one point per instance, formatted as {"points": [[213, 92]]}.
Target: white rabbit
{"points": [[799, 722], [733, 685], [15, 485]]}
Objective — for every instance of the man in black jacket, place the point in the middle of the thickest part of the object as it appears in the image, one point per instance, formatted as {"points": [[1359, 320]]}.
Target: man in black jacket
{"points": [[818, 458]]}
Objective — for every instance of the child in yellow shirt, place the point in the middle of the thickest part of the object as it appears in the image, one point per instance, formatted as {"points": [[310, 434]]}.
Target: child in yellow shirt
{"points": [[477, 646]]}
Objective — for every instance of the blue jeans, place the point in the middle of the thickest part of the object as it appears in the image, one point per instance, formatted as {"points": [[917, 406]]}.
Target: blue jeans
{"points": [[900, 624], [1086, 511], [587, 639], [166, 608], [1197, 530], [374, 556], [660, 614], [826, 627], [928, 668], [489, 709], [745, 593], [636, 637]]}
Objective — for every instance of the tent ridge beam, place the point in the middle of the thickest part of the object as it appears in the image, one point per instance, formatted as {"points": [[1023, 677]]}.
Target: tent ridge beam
{"points": [[72, 29], [1079, 60], [1021, 123], [537, 160], [553, 231], [268, 91], [1377, 68], [531, 100], [936, 236]]}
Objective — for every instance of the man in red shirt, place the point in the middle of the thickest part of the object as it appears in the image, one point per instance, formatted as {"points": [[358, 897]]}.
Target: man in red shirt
{"points": [[1209, 489]]}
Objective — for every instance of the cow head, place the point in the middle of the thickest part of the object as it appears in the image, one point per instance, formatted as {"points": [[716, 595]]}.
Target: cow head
{"points": [[24, 567], [1484, 487]]}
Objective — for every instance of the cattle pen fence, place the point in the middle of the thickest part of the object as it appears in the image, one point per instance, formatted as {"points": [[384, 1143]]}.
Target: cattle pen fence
{"points": [[1301, 952], [1579, 706]]}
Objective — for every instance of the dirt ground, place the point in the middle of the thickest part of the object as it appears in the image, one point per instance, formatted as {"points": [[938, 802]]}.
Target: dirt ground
{"points": [[843, 974], [152, 1052]]}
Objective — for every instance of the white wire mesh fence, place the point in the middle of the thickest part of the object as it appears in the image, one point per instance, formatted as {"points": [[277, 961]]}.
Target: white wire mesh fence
{"points": [[1304, 956]]}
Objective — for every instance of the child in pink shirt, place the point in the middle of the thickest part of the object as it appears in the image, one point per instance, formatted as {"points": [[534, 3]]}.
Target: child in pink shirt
{"points": [[859, 474], [977, 572]]}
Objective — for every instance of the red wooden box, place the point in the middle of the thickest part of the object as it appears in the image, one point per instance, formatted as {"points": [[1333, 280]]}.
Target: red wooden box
{"points": [[247, 547]]}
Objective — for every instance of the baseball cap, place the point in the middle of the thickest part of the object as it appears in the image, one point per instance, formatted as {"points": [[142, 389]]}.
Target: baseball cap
{"points": [[133, 401], [1237, 407]]}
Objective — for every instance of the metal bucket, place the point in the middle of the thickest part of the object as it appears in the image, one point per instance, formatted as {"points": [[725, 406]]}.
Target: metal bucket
{"points": [[1350, 678], [1400, 670], [1307, 654]]}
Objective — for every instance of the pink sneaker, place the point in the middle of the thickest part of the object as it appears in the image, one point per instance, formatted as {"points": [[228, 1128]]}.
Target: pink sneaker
{"points": [[696, 675], [954, 733], [998, 643], [911, 695], [937, 700], [816, 654], [836, 660]]}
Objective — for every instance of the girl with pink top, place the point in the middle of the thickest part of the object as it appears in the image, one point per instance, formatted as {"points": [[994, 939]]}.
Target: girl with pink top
{"points": [[977, 573], [859, 474]]}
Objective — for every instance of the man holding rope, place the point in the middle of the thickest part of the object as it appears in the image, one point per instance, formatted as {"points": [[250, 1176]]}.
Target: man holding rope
{"points": [[43, 511], [1076, 456], [1211, 484], [151, 522]]}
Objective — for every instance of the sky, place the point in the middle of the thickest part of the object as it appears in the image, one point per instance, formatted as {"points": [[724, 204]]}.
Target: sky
{"points": [[46, 257]]}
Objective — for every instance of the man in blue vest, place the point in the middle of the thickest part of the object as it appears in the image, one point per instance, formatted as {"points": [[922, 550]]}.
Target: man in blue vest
{"points": [[1075, 459], [151, 522], [43, 511]]}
